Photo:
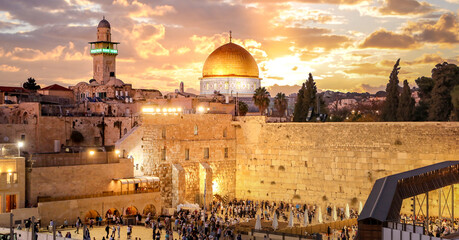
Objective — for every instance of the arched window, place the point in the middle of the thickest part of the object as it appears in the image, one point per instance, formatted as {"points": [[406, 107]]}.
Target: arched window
{"points": [[195, 129]]}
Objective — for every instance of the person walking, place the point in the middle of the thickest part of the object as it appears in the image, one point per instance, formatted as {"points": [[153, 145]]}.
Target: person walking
{"points": [[118, 229], [107, 230], [77, 225]]}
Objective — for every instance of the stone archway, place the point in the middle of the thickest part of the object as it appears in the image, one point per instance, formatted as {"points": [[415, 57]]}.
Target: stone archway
{"points": [[91, 214], [131, 211], [150, 209]]}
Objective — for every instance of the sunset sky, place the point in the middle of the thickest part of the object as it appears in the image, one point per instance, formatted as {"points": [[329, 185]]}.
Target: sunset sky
{"points": [[348, 45]]}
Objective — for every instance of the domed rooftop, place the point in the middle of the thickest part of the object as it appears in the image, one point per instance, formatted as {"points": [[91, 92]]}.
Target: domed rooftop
{"points": [[115, 82], [103, 24], [230, 60]]}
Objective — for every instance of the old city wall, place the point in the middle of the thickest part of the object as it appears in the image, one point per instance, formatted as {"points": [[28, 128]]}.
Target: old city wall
{"points": [[334, 163], [77, 180], [165, 141], [39, 135]]}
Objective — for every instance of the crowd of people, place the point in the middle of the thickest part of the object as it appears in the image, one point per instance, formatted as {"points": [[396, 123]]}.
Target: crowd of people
{"points": [[435, 227]]}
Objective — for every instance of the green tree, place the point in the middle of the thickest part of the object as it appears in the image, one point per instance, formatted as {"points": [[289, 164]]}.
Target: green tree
{"points": [[421, 111], [243, 108], [31, 84], [280, 103], [389, 111], [298, 113], [455, 101], [446, 77], [405, 109], [306, 98], [261, 99]]}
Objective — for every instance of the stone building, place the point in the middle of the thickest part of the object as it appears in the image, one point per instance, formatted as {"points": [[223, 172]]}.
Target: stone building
{"points": [[104, 85], [12, 178]]}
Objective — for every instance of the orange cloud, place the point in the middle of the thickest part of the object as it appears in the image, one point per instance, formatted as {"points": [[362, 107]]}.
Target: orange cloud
{"points": [[386, 39], [8, 68], [444, 31], [403, 7]]}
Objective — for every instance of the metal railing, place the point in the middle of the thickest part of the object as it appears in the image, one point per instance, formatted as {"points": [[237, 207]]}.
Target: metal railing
{"points": [[72, 159]]}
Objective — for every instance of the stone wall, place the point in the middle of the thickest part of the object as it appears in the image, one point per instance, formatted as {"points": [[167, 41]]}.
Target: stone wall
{"points": [[58, 211], [165, 141], [335, 163], [77, 180]]}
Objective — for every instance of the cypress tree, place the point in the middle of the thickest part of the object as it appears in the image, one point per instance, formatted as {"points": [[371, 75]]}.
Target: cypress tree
{"points": [[406, 105], [445, 76], [425, 84], [306, 98], [389, 111], [298, 113]]}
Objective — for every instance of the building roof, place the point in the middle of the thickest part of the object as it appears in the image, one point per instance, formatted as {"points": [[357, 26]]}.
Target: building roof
{"points": [[384, 202], [103, 24], [56, 87], [230, 60], [12, 89]]}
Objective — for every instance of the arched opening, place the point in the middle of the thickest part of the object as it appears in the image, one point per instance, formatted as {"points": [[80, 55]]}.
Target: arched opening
{"points": [[149, 210], [112, 212], [125, 131], [24, 118], [131, 211], [91, 214]]}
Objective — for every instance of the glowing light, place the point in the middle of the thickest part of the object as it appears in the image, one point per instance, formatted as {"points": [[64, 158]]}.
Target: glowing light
{"points": [[174, 110], [91, 153], [164, 110], [104, 50], [169, 110], [158, 110], [200, 109], [20, 144], [148, 110], [179, 109], [215, 187], [117, 151], [208, 109]]}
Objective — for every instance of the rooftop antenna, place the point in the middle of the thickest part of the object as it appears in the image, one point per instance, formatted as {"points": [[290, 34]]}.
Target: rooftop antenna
{"points": [[231, 37]]}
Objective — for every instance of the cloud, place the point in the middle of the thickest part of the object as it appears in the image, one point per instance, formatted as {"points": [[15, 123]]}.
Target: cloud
{"points": [[405, 7], [311, 38], [148, 36], [430, 59], [444, 31], [368, 88], [386, 39], [345, 2], [287, 89], [8, 68]]}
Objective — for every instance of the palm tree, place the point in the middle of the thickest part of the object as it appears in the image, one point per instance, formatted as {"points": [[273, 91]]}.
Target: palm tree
{"points": [[261, 99], [280, 103]]}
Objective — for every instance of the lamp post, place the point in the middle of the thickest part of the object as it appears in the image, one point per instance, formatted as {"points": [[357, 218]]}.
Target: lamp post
{"points": [[20, 145]]}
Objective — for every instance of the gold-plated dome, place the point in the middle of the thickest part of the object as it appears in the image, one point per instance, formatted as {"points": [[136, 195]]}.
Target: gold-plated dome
{"points": [[230, 60]]}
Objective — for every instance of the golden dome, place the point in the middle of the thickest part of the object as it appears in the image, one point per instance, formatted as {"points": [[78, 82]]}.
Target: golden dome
{"points": [[230, 60]]}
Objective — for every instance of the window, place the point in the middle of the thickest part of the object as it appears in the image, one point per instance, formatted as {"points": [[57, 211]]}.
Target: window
{"points": [[195, 129], [22, 137], [163, 133], [224, 132], [11, 178], [163, 153], [206, 153], [187, 154], [226, 152]]}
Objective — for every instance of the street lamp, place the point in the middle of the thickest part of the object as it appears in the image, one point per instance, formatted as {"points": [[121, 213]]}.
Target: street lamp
{"points": [[91, 153], [20, 145]]}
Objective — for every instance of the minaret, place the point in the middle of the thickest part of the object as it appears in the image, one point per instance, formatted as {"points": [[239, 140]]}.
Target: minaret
{"points": [[103, 53]]}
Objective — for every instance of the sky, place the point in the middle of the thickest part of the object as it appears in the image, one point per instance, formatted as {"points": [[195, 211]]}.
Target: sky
{"points": [[347, 45]]}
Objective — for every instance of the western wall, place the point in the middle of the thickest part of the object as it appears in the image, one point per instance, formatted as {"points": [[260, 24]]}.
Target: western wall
{"points": [[315, 163], [334, 163]]}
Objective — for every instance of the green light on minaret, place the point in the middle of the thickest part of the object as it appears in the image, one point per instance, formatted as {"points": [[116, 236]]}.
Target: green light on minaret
{"points": [[104, 50]]}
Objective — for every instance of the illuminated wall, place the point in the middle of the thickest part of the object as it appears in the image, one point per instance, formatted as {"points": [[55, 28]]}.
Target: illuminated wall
{"points": [[229, 85]]}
